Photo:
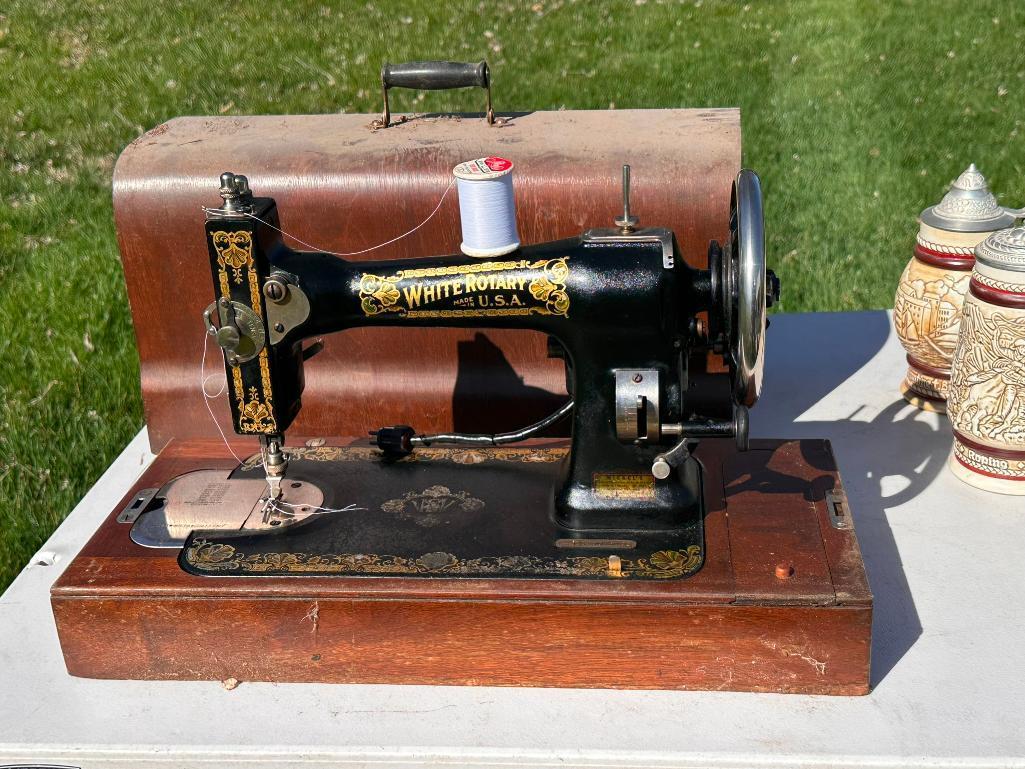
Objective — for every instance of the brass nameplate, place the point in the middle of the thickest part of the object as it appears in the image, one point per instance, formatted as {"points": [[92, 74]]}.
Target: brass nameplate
{"points": [[596, 544], [481, 289], [624, 485]]}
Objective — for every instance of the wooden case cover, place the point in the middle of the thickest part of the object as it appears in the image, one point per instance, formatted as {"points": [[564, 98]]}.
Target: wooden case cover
{"points": [[342, 186]]}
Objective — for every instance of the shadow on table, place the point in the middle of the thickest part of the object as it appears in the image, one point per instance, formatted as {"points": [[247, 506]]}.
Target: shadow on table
{"points": [[809, 357]]}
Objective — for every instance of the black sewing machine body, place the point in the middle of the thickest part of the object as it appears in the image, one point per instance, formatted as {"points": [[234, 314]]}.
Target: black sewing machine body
{"points": [[621, 308]]}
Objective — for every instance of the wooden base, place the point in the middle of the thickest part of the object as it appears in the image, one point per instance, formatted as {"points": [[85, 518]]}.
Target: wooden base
{"points": [[781, 604]]}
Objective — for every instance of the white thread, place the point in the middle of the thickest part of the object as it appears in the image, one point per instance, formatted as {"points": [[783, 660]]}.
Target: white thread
{"points": [[203, 379], [272, 503], [320, 510], [216, 212], [487, 207]]}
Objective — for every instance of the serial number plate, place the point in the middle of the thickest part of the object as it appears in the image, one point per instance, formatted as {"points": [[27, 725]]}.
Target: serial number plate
{"points": [[596, 544], [624, 485]]}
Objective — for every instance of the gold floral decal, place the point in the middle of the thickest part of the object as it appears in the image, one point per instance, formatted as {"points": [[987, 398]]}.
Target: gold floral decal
{"points": [[234, 250], [255, 415], [551, 288], [218, 557], [436, 499], [378, 294], [670, 563], [474, 456]]}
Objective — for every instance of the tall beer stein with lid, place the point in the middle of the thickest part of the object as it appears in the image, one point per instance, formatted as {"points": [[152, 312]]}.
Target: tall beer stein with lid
{"points": [[931, 292], [986, 398]]}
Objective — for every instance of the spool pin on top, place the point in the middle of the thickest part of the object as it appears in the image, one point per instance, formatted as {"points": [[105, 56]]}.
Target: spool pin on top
{"points": [[487, 207]]}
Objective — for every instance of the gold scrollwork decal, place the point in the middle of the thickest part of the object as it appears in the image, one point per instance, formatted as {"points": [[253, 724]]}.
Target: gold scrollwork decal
{"points": [[472, 456], [436, 499], [219, 557], [551, 287], [378, 294], [234, 251], [255, 415], [235, 254]]}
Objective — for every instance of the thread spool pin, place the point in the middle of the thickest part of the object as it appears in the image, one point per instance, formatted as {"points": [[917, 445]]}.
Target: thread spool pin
{"points": [[627, 223]]}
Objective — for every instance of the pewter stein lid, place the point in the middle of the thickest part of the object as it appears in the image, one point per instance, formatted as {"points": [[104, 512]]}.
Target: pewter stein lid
{"points": [[1003, 250], [969, 206]]}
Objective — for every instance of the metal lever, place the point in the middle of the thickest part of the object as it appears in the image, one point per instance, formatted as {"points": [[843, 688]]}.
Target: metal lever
{"points": [[737, 428], [313, 349], [665, 462], [434, 76]]}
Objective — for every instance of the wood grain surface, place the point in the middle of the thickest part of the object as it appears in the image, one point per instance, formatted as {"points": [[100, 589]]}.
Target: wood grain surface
{"points": [[123, 611], [342, 187]]}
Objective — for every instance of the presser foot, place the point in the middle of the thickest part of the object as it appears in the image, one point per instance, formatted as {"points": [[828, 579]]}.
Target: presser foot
{"points": [[214, 501], [275, 462]]}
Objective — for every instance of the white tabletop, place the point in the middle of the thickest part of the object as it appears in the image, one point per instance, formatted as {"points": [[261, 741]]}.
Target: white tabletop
{"points": [[944, 561]]}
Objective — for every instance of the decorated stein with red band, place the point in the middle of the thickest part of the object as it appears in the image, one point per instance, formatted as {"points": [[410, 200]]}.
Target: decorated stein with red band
{"points": [[931, 292], [986, 398]]}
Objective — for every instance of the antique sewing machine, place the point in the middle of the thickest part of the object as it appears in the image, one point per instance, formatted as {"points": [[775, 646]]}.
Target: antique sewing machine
{"points": [[529, 468], [621, 308]]}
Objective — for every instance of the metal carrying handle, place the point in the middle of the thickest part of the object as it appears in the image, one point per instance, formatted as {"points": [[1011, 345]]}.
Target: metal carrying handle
{"points": [[434, 76]]}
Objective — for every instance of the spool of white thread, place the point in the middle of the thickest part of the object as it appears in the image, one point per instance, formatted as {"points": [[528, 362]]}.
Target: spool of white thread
{"points": [[487, 208]]}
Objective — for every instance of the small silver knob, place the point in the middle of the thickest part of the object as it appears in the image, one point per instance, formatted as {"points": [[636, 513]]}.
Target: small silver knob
{"points": [[660, 468], [235, 193]]}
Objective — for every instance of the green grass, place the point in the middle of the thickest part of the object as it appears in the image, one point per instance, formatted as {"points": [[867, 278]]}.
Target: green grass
{"points": [[856, 115]]}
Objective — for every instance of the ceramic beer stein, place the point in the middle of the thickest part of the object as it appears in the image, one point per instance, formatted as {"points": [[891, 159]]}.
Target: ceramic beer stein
{"points": [[986, 399], [931, 292]]}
